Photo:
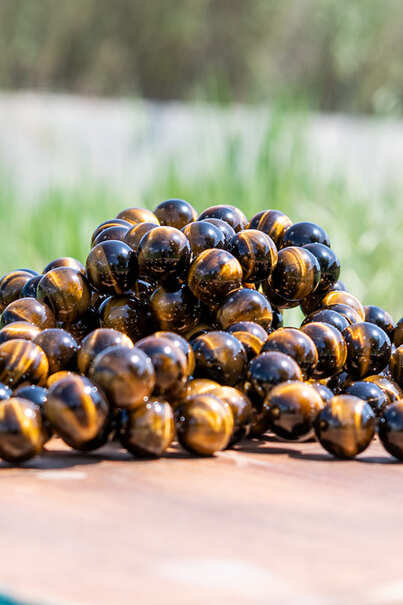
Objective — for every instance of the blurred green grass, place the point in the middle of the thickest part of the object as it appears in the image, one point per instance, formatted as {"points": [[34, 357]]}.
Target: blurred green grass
{"points": [[366, 233]]}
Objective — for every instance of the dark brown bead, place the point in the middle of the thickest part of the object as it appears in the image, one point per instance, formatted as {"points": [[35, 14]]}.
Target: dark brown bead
{"points": [[225, 228], [175, 309], [164, 254], [291, 408], [324, 391], [21, 330], [328, 316], [391, 389], [38, 396], [148, 430], [296, 275], [350, 314], [380, 317], [370, 393], [126, 376], [143, 290], [204, 424], [183, 345], [60, 348], [339, 382], [202, 235], [65, 261], [125, 314], [118, 232], [66, 292], [313, 302], [275, 299], [114, 222], [136, 233], [213, 275], [86, 324], [112, 267], [390, 429], [29, 310], [329, 265], [256, 252], [398, 333], [331, 347], [277, 321], [245, 305], [53, 378], [345, 298], [396, 365], [251, 335], [230, 214], [368, 349], [304, 233], [296, 344], [219, 356], [270, 369], [96, 342], [259, 424], [272, 222], [175, 213], [11, 286], [20, 361], [78, 412], [241, 409], [138, 215], [345, 427], [170, 365], [30, 288], [22, 433]]}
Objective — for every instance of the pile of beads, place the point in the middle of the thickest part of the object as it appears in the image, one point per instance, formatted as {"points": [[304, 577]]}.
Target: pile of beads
{"points": [[173, 329]]}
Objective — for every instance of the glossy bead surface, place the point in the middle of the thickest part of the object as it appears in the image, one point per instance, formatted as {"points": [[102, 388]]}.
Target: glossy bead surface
{"points": [[66, 292], [111, 267], [245, 305], [270, 369], [390, 429], [114, 222], [241, 409], [297, 345], [175, 213], [278, 320], [148, 430], [219, 356], [29, 310], [136, 233], [65, 261], [11, 286], [300, 234], [345, 298], [396, 365], [368, 349], [19, 329], [350, 314], [96, 342], [291, 408], [225, 228], [138, 215], [204, 425], [5, 392], [256, 252], [203, 235], [329, 265], [53, 378], [83, 326], [183, 345], [38, 396], [118, 232], [345, 427], [272, 222], [391, 389], [230, 214], [251, 335], [164, 254], [327, 316], [324, 391], [398, 333], [296, 275], [60, 348], [331, 347], [213, 275], [174, 309], [126, 376], [124, 314], [370, 393], [20, 361], [381, 318], [21, 430], [30, 288]]}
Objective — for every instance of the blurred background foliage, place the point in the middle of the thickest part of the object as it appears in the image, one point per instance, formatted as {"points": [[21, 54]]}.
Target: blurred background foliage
{"points": [[340, 55]]}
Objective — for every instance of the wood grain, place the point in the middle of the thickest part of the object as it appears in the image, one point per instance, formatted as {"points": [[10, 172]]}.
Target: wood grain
{"points": [[269, 522]]}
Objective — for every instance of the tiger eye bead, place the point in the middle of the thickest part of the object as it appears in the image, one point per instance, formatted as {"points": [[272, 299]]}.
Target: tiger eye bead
{"points": [[331, 347], [296, 275], [277, 321], [259, 424], [327, 316], [245, 305], [60, 348], [241, 409], [219, 356], [391, 389], [78, 412], [30, 288], [297, 345], [21, 330], [138, 215], [272, 222], [225, 228], [251, 335], [398, 333], [324, 391], [230, 214], [329, 265], [118, 232], [339, 382], [21, 430], [175, 213], [270, 369], [81, 328], [126, 376], [291, 408], [275, 299], [304, 233], [115, 222], [124, 314], [53, 378], [11, 286], [65, 261], [256, 252], [368, 349], [350, 314], [396, 365], [67, 292], [38, 396], [204, 425], [175, 309], [370, 393], [164, 254], [213, 275], [136, 233], [22, 360], [5, 392], [148, 430], [380, 317], [390, 429], [111, 267], [170, 365], [202, 235], [29, 310], [183, 345], [345, 298], [96, 342], [345, 427]]}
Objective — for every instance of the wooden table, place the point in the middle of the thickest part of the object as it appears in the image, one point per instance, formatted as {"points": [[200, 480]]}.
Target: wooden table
{"points": [[269, 522]]}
